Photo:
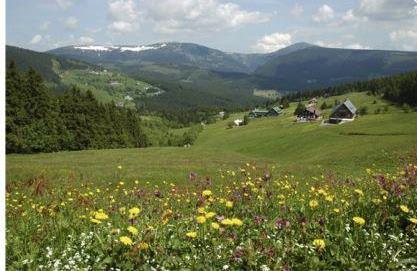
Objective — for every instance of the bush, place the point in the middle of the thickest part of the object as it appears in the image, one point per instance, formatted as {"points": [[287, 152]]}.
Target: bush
{"points": [[324, 106], [300, 109], [406, 108], [363, 110], [246, 120]]}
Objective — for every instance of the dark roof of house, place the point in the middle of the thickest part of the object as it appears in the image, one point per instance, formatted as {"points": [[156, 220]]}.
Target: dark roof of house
{"points": [[349, 105], [276, 109], [313, 109]]}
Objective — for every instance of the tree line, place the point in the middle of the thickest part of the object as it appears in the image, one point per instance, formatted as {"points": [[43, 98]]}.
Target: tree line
{"points": [[38, 121]]}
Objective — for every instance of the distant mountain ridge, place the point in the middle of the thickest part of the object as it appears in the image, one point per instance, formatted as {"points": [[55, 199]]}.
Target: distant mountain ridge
{"points": [[184, 54], [193, 74], [299, 66], [316, 66]]}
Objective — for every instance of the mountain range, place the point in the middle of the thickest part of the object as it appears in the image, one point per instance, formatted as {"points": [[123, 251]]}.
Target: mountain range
{"points": [[187, 70], [299, 66]]}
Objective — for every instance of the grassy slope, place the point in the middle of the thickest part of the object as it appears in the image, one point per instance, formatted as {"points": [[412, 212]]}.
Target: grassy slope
{"points": [[100, 86], [301, 149]]}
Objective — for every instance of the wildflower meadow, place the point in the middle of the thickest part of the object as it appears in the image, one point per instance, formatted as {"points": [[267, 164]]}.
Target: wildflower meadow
{"points": [[248, 218]]}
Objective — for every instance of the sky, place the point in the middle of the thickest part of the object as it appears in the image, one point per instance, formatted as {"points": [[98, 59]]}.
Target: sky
{"points": [[245, 26]]}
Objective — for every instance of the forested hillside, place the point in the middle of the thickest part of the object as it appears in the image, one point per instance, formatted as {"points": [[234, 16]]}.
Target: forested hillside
{"points": [[316, 67], [47, 65], [400, 89], [38, 121]]}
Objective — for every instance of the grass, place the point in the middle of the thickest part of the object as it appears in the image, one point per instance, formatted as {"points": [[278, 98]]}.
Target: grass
{"points": [[304, 149]]}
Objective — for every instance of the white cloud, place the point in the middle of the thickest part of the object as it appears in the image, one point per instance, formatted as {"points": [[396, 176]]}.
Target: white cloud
{"points": [[123, 16], [64, 4], [71, 23], [324, 14], [36, 39], [386, 10], [45, 25], [273, 42], [406, 39], [171, 16], [297, 10], [84, 40], [350, 17]]}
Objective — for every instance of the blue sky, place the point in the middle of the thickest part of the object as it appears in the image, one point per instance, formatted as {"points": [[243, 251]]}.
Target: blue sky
{"points": [[229, 25]]}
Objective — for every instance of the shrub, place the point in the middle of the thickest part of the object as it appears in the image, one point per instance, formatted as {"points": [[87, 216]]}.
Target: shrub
{"points": [[363, 110]]}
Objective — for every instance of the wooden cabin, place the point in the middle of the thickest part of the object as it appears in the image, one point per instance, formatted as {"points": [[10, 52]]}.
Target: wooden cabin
{"points": [[345, 111], [274, 111], [311, 113], [258, 113]]}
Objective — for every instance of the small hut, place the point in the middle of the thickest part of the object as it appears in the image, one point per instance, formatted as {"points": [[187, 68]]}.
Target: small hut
{"points": [[311, 113], [343, 112], [257, 113], [274, 111]]}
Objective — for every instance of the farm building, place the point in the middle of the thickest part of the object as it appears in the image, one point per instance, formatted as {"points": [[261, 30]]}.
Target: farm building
{"points": [[311, 113], [274, 111], [344, 112], [258, 113]]}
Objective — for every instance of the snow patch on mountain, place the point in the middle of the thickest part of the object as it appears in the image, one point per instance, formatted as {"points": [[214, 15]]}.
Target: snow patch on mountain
{"points": [[142, 48], [94, 48], [101, 48]]}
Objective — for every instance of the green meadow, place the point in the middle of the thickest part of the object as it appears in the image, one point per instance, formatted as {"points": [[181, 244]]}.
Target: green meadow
{"points": [[376, 140]]}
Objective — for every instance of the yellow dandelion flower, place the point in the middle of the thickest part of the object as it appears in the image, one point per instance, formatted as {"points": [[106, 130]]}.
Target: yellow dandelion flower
{"points": [[359, 220], [100, 215], [201, 210], [237, 222], [191, 234], [404, 208], [229, 204], [336, 210], [126, 240], [329, 198], [143, 246], [119, 167], [313, 204], [227, 221], [413, 220], [201, 219], [319, 244], [132, 230], [210, 214], [133, 212], [215, 225], [206, 193], [96, 221]]}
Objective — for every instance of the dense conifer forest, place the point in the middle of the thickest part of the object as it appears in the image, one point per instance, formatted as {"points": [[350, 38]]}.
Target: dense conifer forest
{"points": [[38, 121]]}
